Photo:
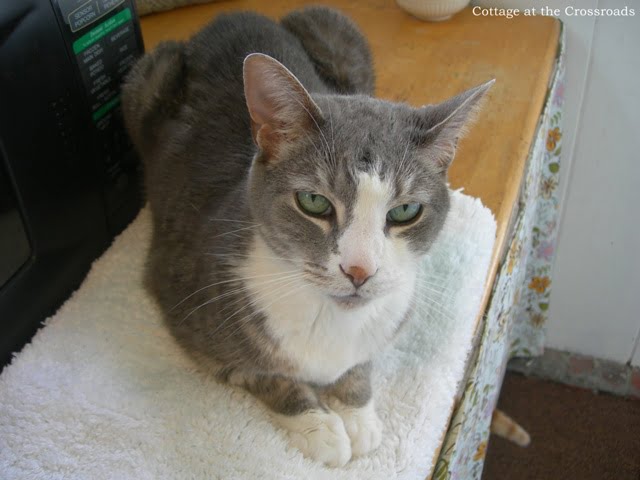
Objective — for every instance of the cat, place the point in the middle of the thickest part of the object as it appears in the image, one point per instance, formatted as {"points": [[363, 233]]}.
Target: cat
{"points": [[290, 211]]}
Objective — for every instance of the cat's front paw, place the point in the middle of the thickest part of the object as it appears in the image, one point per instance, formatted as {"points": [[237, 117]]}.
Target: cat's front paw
{"points": [[363, 426], [319, 435]]}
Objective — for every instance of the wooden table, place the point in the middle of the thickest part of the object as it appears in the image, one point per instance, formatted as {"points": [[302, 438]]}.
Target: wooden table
{"points": [[419, 62]]}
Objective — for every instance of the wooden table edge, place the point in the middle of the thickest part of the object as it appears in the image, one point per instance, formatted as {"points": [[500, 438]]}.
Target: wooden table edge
{"points": [[509, 209]]}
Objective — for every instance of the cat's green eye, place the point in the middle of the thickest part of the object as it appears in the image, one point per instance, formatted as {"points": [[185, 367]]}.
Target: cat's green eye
{"points": [[313, 203], [404, 213]]}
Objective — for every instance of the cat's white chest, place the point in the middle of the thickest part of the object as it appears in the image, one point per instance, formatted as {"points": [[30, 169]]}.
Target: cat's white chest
{"points": [[321, 339], [324, 340]]}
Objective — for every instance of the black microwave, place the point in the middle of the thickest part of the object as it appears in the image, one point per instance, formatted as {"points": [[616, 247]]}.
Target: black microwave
{"points": [[69, 178]]}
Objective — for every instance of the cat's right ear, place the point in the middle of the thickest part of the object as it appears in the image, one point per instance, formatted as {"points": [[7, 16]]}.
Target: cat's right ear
{"points": [[280, 108], [439, 127]]}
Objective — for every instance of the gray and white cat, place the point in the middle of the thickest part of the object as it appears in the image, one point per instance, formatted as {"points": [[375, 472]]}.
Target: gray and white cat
{"points": [[290, 212]]}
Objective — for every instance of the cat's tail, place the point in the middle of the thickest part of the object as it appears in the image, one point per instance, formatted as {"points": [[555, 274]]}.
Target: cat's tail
{"points": [[504, 426], [152, 92], [339, 51]]}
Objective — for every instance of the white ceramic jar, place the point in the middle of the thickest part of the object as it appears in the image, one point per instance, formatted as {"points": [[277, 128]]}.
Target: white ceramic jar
{"points": [[433, 10]]}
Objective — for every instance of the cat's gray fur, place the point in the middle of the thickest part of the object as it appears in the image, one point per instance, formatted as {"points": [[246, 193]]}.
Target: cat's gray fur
{"points": [[187, 115], [336, 47]]}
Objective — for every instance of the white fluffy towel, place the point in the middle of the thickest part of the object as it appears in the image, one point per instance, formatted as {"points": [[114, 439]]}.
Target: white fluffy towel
{"points": [[103, 392]]}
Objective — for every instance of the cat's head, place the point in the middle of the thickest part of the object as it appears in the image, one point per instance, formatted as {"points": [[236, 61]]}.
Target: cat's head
{"points": [[350, 189]]}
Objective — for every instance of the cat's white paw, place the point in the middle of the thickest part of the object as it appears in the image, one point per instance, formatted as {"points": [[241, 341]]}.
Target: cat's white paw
{"points": [[363, 426], [319, 435]]}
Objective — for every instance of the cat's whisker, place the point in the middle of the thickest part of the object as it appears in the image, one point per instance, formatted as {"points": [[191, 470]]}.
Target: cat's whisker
{"points": [[437, 297], [228, 293], [443, 292], [431, 304], [434, 269], [401, 168], [230, 220], [427, 308], [316, 265], [245, 288], [442, 308], [318, 275], [255, 301], [252, 303], [272, 283], [284, 259], [431, 276], [238, 230], [243, 321], [233, 235], [209, 302], [435, 288], [333, 140], [427, 303], [244, 255], [318, 151], [437, 285], [277, 283], [437, 254], [236, 279], [326, 143]]}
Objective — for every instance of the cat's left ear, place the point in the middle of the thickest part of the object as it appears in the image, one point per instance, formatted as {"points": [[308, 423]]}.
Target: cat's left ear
{"points": [[280, 108], [439, 127]]}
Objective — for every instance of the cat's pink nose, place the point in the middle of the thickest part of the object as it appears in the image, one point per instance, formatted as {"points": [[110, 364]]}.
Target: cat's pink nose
{"points": [[357, 274]]}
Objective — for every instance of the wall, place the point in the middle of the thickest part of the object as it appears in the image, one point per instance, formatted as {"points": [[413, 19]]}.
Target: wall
{"points": [[595, 304], [595, 301]]}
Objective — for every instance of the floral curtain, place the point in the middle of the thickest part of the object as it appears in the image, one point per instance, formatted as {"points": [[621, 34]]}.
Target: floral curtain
{"points": [[519, 304]]}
